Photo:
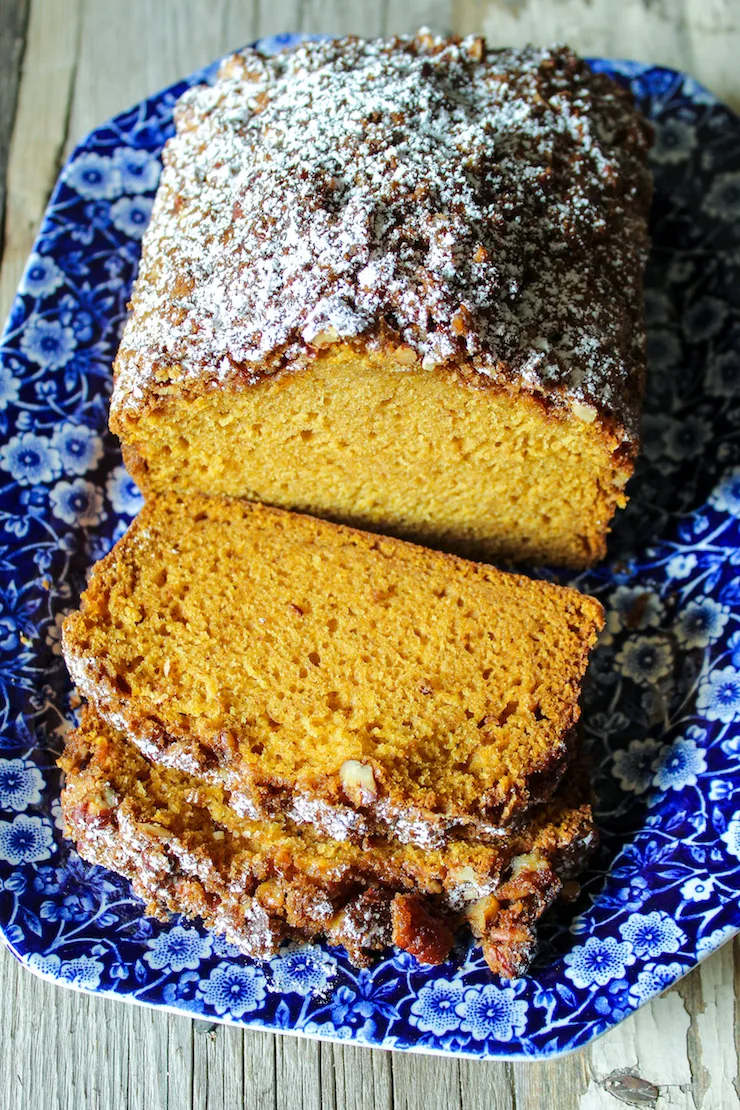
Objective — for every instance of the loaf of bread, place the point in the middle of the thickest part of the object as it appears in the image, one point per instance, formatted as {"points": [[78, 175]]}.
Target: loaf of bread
{"points": [[398, 284], [186, 851], [358, 683]]}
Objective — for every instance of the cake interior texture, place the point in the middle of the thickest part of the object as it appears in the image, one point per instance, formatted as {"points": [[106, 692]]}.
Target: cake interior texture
{"points": [[286, 656], [490, 473], [185, 850]]}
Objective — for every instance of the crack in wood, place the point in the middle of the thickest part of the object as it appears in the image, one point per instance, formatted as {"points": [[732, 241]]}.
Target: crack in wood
{"points": [[690, 990]]}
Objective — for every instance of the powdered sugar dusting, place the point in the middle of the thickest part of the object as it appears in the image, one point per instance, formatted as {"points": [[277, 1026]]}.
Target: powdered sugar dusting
{"points": [[480, 209]]}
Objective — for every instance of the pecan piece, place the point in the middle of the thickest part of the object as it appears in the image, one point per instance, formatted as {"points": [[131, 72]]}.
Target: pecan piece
{"points": [[417, 929]]}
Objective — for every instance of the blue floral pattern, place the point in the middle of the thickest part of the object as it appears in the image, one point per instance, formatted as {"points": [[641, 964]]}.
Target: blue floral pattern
{"points": [[234, 989], [493, 1013], [598, 961], [21, 784], [178, 949], [306, 970], [661, 703]]}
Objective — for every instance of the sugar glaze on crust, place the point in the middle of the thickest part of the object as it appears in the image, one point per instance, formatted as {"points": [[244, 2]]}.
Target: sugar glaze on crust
{"points": [[450, 204]]}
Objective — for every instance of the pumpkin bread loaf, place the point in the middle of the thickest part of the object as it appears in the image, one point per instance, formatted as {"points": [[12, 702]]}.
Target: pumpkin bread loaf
{"points": [[358, 683], [398, 284], [186, 851]]}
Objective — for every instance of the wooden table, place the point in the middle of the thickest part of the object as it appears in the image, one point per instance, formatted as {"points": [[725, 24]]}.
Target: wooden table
{"points": [[66, 65]]}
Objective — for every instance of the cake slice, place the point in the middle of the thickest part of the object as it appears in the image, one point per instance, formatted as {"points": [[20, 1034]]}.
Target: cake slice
{"points": [[398, 284], [186, 851], [360, 684]]}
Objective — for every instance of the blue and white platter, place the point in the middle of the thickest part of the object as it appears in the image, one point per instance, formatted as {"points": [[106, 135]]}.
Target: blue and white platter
{"points": [[661, 704]]}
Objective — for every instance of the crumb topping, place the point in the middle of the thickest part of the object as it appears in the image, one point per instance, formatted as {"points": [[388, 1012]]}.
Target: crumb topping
{"points": [[463, 206], [186, 851]]}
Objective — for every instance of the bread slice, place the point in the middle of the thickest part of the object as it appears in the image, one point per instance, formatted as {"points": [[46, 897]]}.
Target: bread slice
{"points": [[398, 284], [186, 851], [356, 682]]}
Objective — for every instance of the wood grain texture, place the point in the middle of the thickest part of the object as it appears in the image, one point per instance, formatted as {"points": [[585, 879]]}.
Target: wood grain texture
{"points": [[80, 61], [40, 130], [13, 22]]}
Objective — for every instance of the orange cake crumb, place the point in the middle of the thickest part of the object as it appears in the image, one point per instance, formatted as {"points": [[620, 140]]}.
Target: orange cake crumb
{"points": [[356, 682]]}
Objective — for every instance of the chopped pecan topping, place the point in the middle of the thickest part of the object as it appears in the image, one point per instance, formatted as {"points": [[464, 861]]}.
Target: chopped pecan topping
{"points": [[417, 929]]}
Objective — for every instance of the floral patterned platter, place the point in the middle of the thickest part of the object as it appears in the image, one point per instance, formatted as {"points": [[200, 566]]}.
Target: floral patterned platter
{"points": [[662, 703]]}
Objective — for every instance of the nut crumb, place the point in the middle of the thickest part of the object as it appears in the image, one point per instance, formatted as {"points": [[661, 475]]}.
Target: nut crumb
{"points": [[358, 782]]}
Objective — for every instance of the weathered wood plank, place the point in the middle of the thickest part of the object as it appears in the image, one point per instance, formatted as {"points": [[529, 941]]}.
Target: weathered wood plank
{"points": [[341, 17], [91, 1048], [651, 1045], [13, 22], [404, 18], [148, 1057], [277, 17], [692, 995], [39, 131], [361, 1077], [298, 1075], [559, 1082], [488, 1086], [19, 1086], [181, 1085], [259, 1053], [714, 1061], [420, 1080], [60, 1049], [146, 46], [735, 987], [218, 1069]]}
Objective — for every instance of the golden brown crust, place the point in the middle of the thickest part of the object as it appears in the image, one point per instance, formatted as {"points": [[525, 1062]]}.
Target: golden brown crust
{"points": [[186, 851]]}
